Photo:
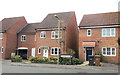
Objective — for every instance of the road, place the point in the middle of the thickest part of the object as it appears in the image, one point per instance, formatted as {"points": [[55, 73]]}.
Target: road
{"points": [[8, 68]]}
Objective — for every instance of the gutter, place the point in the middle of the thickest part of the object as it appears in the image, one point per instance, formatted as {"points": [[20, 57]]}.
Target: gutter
{"points": [[49, 28], [99, 26]]}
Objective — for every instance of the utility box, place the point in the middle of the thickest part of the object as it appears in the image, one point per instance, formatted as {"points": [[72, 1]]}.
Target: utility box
{"points": [[97, 60], [91, 60]]}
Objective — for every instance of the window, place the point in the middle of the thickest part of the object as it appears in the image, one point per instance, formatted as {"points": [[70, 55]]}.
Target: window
{"points": [[1, 49], [23, 38], [39, 50], [1, 35], [54, 35], [42, 35], [55, 51], [88, 32], [109, 51], [108, 32]]}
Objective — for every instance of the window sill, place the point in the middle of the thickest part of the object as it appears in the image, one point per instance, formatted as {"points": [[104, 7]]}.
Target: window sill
{"points": [[54, 54], [109, 55]]}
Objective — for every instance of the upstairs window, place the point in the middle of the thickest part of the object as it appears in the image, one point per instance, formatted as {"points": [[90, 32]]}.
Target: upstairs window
{"points": [[1, 35], [88, 32], [23, 37], [54, 35], [42, 34], [108, 32]]}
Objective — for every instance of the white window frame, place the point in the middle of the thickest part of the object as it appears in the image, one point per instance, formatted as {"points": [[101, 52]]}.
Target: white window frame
{"points": [[109, 32], [38, 50], [55, 34], [54, 50], [2, 35], [42, 33], [110, 51], [2, 50], [90, 32], [22, 38]]}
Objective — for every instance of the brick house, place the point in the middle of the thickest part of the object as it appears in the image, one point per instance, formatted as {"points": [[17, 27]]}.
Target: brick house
{"points": [[47, 35], [99, 33], [27, 40], [8, 35]]}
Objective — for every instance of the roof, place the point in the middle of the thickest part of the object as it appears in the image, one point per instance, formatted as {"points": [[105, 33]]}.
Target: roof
{"points": [[30, 28], [51, 22], [8, 22], [100, 19]]}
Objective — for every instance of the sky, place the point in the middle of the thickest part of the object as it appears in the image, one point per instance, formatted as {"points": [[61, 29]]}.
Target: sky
{"points": [[37, 10]]}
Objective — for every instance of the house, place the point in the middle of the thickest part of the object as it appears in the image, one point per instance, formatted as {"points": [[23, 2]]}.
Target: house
{"points": [[27, 40], [47, 44], [99, 33], [8, 35]]}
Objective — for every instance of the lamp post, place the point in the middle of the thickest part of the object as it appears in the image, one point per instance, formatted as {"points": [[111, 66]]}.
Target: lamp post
{"points": [[58, 35]]}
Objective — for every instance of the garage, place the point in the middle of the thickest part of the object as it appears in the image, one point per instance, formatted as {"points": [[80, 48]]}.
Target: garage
{"points": [[22, 51]]}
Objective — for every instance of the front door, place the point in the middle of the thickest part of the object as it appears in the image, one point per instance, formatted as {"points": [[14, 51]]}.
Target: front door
{"points": [[33, 52], [88, 52], [45, 53]]}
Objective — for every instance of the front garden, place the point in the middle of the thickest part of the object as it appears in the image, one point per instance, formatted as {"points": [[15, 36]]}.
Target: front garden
{"points": [[50, 60]]}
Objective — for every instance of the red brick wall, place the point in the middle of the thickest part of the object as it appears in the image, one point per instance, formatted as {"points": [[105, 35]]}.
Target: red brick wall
{"points": [[119, 46], [104, 42], [11, 38], [29, 43], [72, 35], [3, 44], [46, 42]]}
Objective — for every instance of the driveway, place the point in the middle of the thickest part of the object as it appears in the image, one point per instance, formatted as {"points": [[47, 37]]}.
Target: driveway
{"points": [[8, 67]]}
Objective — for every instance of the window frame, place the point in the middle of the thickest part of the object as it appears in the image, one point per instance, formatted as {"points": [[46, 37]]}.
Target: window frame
{"points": [[2, 50], [42, 33], [54, 50], [22, 38], [105, 29], [2, 35], [38, 50], [90, 32], [54, 33], [110, 51]]}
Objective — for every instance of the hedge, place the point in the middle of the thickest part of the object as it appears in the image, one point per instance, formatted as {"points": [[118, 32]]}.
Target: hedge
{"points": [[16, 59]]}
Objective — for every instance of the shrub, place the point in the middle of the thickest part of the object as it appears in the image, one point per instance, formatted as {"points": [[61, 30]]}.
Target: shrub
{"points": [[70, 61], [65, 61], [76, 61], [70, 52], [53, 59], [16, 59], [38, 59]]}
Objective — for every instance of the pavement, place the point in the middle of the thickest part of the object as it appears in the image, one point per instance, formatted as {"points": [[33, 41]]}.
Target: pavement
{"points": [[54, 68]]}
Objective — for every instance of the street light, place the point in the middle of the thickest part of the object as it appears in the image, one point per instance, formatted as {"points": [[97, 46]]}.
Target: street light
{"points": [[58, 34]]}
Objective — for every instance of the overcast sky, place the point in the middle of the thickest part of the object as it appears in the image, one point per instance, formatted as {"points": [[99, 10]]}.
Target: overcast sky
{"points": [[37, 10]]}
